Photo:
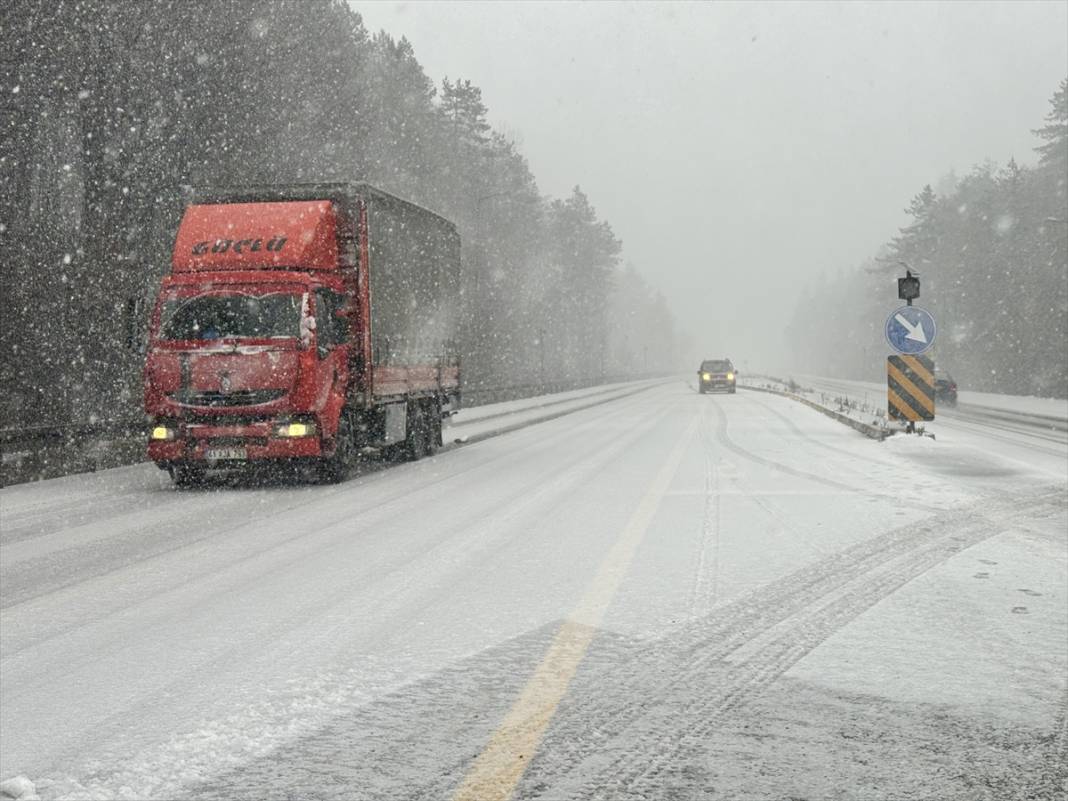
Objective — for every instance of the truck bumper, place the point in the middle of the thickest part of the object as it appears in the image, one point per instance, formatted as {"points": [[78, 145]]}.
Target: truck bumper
{"points": [[231, 446]]}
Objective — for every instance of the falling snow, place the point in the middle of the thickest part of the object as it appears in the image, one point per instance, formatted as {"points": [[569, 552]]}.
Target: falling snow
{"points": [[279, 525]]}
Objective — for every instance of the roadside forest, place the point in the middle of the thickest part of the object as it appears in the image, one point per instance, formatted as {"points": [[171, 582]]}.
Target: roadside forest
{"points": [[991, 250], [112, 107]]}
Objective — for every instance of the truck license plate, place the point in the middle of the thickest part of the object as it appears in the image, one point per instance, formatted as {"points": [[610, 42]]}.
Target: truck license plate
{"points": [[219, 454]]}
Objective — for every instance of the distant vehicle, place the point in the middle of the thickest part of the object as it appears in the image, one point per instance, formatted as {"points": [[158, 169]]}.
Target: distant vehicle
{"points": [[302, 324], [945, 388], [717, 374]]}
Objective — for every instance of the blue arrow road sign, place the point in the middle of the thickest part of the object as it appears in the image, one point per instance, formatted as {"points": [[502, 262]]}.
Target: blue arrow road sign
{"points": [[910, 330]]}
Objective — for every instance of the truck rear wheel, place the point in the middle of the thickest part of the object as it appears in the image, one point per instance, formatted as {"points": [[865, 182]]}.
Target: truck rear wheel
{"points": [[435, 430], [419, 441]]}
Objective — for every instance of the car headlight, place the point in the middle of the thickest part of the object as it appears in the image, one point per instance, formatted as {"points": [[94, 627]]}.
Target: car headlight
{"points": [[706, 376], [730, 376], [295, 429], [162, 433]]}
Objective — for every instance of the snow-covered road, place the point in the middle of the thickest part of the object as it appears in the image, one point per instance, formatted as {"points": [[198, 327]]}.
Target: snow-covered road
{"points": [[665, 595]]}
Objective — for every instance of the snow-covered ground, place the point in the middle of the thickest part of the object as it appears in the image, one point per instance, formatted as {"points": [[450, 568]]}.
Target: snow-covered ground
{"points": [[737, 596]]}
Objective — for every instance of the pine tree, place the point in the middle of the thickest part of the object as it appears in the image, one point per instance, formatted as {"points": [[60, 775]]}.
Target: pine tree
{"points": [[585, 253], [399, 104], [916, 238], [462, 107], [1055, 131]]}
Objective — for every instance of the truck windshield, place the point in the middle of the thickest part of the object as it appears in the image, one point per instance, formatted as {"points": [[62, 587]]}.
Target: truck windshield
{"points": [[271, 316]]}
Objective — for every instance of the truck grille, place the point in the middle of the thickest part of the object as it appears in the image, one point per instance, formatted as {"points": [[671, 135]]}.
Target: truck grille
{"points": [[240, 397], [234, 442], [221, 420]]}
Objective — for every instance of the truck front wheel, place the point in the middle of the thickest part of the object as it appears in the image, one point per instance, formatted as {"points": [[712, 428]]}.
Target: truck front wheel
{"points": [[336, 467], [186, 475]]}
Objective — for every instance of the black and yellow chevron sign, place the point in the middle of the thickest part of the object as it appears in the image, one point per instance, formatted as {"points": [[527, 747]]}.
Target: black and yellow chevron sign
{"points": [[910, 388]]}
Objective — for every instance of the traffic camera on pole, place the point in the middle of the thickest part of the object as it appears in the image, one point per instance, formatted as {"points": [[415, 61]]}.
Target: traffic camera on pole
{"points": [[908, 288]]}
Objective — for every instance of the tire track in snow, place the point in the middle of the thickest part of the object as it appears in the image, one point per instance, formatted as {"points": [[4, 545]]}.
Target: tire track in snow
{"points": [[30, 520], [1055, 783], [785, 526], [461, 541], [331, 526], [387, 747], [1027, 438], [802, 434], [731, 445], [724, 688], [34, 519], [615, 730], [706, 575], [463, 546], [267, 722], [138, 538], [725, 439]]}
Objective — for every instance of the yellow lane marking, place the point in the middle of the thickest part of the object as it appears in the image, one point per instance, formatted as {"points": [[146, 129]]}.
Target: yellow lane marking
{"points": [[498, 769], [924, 399]]}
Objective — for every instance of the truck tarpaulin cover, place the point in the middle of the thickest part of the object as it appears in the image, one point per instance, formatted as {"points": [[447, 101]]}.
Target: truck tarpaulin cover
{"points": [[243, 236]]}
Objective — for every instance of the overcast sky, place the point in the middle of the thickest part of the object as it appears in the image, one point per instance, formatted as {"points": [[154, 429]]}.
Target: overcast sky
{"points": [[742, 150]]}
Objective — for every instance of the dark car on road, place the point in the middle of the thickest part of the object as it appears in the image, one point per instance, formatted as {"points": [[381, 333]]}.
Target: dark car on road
{"points": [[945, 389], [716, 374]]}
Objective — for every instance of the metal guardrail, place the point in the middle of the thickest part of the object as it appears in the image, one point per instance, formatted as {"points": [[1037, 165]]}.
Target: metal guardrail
{"points": [[65, 434], [1035, 425], [1026, 419], [30, 453]]}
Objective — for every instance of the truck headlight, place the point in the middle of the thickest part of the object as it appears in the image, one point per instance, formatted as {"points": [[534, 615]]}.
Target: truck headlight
{"points": [[706, 376], [730, 376], [295, 429], [162, 433]]}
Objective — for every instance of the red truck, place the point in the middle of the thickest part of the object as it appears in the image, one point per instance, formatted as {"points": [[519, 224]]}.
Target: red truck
{"points": [[302, 325]]}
